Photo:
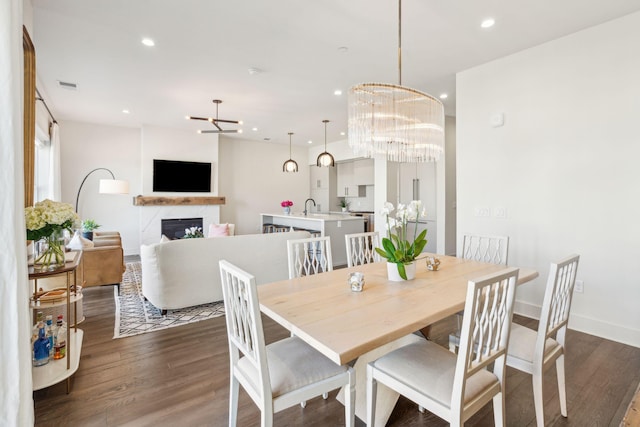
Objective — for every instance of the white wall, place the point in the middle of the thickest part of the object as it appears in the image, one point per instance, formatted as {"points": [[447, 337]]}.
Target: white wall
{"points": [[171, 144], [564, 166], [86, 146], [252, 180]]}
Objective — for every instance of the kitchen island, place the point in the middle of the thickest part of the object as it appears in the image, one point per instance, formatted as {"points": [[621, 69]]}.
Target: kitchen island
{"points": [[332, 225]]}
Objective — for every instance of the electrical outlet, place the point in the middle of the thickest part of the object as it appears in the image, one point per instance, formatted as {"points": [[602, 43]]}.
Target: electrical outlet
{"points": [[579, 287], [339, 224], [482, 211]]}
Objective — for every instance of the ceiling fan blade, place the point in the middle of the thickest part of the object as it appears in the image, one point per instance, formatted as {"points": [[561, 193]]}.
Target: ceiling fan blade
{"points": [[220, 131]]}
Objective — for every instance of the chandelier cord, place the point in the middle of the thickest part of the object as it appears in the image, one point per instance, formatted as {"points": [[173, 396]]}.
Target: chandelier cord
{"points": [[400, 42]]}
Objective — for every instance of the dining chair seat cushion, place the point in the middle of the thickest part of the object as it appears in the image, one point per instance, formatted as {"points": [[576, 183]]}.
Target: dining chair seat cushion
{"points": [[292, 364], [430, 368], [522, 342]]}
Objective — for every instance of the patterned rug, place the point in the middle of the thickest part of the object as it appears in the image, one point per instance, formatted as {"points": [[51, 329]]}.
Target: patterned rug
{"points": [[135, 315]]}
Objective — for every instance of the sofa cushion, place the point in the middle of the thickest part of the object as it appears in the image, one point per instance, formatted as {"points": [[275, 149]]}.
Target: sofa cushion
{"points": [[78, 243], [218, 230]]}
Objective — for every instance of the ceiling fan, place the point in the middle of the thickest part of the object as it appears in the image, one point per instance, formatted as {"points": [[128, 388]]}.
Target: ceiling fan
{"points": [[215, 121]]}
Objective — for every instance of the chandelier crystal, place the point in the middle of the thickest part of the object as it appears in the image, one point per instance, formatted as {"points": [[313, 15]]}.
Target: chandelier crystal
{"points": [[404, 124]]}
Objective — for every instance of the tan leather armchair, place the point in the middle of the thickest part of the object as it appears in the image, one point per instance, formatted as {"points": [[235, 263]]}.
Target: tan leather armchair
{"points": [[104, 263]]}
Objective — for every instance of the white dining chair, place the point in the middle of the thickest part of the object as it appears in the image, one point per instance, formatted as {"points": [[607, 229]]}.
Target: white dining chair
{"points": [[451, 386], [534, 352], [309, 256], [492, 249], [361, 248], [484, 248], [281, 374]]}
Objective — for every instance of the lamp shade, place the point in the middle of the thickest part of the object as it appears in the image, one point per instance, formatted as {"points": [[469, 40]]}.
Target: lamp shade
{"points": [[113, 186]]}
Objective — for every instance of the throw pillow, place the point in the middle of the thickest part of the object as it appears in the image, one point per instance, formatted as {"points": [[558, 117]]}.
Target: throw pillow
{"points": [[78, 243], [164, 239], [218, 230]]}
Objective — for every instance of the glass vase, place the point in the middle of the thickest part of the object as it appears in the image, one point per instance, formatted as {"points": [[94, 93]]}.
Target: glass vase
{"points": [[48, 252], [287, 210]]}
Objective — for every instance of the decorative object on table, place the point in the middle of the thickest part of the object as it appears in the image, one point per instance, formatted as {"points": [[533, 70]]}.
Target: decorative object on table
{"points": [[290, 165], [404, 124], [397, 250], [135, 315], [432, 263], [88, 225], [46, 222], [325, 158], [193, 233], [107, 186], [356, 281], [343, 204], [286, 204]]}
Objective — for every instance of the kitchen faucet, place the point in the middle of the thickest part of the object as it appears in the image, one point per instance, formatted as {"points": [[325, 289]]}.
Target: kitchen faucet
{"points": [[305, 205]]}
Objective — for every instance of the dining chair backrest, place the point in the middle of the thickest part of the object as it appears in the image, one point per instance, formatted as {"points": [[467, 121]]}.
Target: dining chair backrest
{"points": [[554, 316], [361, 248], [492, 249], [309, 256], [485, 328], [244, 324]]}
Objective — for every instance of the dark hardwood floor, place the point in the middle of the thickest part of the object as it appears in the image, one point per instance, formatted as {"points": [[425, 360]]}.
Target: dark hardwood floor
{"points": [[179, 377]]}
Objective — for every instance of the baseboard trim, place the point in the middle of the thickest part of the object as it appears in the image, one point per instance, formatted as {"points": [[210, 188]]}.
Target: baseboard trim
{"points": [[588, 325]]}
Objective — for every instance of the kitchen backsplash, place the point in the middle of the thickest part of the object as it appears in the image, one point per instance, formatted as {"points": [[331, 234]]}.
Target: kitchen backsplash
{"points": [[362, 203]]}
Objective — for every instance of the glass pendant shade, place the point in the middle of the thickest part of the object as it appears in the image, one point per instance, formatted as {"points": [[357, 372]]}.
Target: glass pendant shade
{"points": [[402, 123], [290, 165], [325, 158]]}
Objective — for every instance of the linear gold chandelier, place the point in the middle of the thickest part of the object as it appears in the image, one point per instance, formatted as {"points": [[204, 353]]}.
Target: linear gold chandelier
{"points": [[404, 124]]}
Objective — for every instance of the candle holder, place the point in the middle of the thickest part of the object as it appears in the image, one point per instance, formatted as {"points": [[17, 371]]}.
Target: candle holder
{"points": [[356, 281], [432, 263]]}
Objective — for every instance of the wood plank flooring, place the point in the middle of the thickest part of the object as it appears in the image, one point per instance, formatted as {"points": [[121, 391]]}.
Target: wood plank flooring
{"points": [[179, 377]]}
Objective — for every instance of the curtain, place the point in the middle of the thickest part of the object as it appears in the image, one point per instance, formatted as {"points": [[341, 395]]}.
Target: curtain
{"points": [[55, 189], [16, 401]]}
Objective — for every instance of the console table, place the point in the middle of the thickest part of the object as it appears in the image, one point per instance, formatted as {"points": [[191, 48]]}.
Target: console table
{"points": [[61, 369]]}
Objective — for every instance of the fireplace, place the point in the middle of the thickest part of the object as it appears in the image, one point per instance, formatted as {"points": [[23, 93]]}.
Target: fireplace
{"points": [[174, 228]]}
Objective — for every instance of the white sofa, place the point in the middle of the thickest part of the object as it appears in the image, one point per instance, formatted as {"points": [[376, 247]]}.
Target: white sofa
{"points": [[183, 273]]}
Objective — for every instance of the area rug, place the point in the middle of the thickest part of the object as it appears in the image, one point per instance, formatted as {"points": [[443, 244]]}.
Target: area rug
{"points": [[135, 315]]}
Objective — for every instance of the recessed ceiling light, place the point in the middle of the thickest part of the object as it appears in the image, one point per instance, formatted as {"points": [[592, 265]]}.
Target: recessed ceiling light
{"points": [[254, 129], [342, 133], [125, 111], [309, 142], [337, 92], [239, 131], [443, 96], [488, 23], [148, 42], [343, 49], [254, 70]]}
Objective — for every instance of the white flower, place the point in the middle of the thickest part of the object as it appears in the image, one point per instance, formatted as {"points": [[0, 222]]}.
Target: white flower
{"points": [[387, 208]]}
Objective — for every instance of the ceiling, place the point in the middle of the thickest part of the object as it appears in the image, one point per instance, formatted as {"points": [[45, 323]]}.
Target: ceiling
{"points": [[304, 51]]}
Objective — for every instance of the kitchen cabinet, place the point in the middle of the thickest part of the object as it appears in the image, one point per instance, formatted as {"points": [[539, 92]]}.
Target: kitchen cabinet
{"points": [[352, 175], [346, 186], [322, 186]]}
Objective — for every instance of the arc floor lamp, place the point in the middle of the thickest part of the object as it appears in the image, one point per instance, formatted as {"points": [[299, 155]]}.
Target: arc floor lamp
{"points": [[107, 186]]}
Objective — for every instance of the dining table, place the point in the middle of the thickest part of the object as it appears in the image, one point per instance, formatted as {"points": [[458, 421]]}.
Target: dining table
{"points": [[358, 327]]}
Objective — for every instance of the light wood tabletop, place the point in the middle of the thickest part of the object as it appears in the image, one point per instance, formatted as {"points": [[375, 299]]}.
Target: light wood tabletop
{"points": [[323, 311]]}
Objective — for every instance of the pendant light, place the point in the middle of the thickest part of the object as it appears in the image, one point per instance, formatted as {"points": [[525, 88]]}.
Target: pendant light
{"points": [[404, 124], [290, 165], [325, 158]]}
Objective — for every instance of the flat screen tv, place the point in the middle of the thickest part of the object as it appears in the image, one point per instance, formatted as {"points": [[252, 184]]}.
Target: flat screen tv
{"points": [[181, 177]]}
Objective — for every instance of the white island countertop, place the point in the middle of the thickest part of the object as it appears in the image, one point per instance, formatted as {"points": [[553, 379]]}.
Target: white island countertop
{"points": [[315, 216], [336, 226]]}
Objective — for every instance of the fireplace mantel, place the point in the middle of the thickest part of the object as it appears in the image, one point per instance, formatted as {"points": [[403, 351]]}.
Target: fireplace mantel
{"points": [[177, 201]]}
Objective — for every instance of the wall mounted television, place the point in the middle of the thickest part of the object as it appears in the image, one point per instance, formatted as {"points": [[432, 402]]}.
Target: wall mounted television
{"points": [[181, 177]]}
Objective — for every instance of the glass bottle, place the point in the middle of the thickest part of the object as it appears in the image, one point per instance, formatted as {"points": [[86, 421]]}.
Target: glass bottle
{"points": [[50, 333], [41, 347], [60, 346], [35, 330]]}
